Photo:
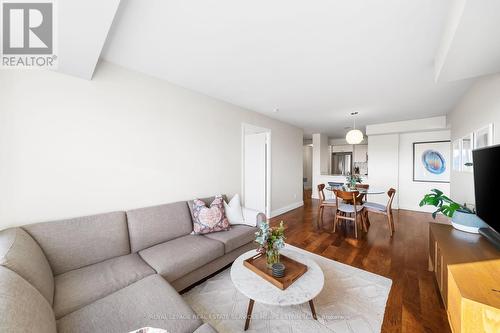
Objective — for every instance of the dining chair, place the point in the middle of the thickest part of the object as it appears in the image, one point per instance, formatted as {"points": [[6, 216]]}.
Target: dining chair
{"points": [[349, 212], [323, 202], [362, 196], [334, 185], [386, 210]]}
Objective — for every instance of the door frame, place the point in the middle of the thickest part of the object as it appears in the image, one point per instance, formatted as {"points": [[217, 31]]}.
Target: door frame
{"points": [[253, 129]]}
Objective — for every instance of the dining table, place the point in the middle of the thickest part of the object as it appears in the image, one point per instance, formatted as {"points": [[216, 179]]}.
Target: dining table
{"points": [[363, 192]]}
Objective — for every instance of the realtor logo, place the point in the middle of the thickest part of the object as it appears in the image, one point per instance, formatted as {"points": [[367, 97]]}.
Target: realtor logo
{"points": [[28, 34]]}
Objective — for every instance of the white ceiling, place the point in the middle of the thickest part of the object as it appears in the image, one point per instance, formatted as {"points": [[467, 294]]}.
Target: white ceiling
{"points": [[316, 61], [470, 44], [81, 31]]}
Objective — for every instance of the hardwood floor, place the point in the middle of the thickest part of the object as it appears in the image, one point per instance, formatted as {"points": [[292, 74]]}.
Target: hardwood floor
{"points": [[414, 304]]}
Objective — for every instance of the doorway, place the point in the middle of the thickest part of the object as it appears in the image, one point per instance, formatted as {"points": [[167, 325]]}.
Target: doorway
{"points": [[256, 168]]}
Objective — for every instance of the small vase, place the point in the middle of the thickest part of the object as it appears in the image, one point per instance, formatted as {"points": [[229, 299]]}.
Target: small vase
{"points": [[273, 256]]}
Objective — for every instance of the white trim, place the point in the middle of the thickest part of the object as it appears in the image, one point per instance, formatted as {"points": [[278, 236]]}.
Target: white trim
{"points": [[249, 128], [285, 209]]}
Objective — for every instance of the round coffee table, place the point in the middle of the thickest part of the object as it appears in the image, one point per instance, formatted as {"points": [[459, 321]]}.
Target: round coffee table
{"points": [[259, 290]]}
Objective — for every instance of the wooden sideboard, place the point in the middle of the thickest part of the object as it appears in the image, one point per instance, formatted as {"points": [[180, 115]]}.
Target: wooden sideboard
{"points": [[467, 271]]}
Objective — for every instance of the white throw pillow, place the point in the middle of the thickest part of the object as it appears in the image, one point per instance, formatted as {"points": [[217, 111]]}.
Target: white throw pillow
{"points": [[233, 210]]}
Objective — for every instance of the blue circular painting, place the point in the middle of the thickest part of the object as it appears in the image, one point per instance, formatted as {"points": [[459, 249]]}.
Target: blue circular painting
{"points": [[433, 162]]}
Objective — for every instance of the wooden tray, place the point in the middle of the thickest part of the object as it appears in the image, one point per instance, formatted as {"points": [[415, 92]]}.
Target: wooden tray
{"points": [[293, 270]]}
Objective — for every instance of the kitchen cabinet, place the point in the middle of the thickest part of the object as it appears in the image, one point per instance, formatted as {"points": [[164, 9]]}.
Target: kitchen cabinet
{"points": [[342, 148]]}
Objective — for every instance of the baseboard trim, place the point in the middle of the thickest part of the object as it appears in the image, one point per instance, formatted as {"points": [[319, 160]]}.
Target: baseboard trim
{"points": [[285, 209]]}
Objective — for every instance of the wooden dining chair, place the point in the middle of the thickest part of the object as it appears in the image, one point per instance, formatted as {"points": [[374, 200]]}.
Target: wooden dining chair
{"points": [[349, 212], [323, 202], [386, 210], [362, 196]]}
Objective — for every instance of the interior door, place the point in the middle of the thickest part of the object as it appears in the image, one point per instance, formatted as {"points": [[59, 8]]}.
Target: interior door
{"points": [[255, 171]]}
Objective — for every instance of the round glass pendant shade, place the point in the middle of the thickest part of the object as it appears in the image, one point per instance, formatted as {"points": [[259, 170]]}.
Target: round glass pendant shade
{"points": [[354, 137]]}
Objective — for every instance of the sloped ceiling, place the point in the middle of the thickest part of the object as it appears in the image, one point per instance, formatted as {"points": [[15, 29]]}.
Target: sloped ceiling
{"points": [[470, 45], [81, 32], [314, 61]]}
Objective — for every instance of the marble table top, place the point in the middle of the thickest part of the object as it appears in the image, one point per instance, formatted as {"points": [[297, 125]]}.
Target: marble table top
{"points": [[254, 287]]}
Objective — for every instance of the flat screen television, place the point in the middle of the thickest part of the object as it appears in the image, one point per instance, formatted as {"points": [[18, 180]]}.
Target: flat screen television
{"points": [[487, 185]]}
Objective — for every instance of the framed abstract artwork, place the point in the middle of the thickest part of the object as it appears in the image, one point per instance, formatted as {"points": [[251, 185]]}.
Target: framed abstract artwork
{"points": [[483, 137], [431, 161]]}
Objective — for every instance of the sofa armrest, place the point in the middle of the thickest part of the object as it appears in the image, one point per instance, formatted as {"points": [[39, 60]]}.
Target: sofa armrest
{"points": [[251, 215]]}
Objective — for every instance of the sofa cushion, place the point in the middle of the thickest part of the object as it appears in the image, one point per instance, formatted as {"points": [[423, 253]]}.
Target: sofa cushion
{"points": [[208, 201], [74, 243], [22, 307], [239, 235], [233, 210], [150, 302], [209, 219], [79, 287], [20, 253], [182, 255], [154, 225], [375, 206]]}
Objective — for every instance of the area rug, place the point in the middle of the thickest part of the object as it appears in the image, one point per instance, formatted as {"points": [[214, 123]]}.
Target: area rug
{"points": [[352, 300]]}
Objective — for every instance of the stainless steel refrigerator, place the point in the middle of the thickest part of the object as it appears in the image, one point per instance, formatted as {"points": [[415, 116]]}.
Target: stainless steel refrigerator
{"points": [[342, 163]]}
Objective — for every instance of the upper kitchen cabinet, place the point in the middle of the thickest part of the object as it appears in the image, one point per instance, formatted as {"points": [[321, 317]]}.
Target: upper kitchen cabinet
{"points": [[341, 148]]}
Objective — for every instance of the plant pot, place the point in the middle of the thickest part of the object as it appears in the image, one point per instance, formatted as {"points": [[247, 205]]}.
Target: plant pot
{"points": [[273, 257], [467, 222]]}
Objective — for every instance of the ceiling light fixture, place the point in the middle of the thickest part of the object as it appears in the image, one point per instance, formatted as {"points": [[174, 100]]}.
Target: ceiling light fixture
{"points": [[354, 136]]}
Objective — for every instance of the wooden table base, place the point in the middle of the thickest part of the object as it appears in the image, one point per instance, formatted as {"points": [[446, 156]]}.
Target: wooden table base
{"points": [[249, 313], [250, 309], [313, 310]]}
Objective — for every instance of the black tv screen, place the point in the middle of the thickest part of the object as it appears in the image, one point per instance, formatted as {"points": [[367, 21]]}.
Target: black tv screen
{"points": [[487, 185]]}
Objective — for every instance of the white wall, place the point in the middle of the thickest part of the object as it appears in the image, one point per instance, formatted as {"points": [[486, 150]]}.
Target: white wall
{"points": [[319, 160], [410, 192], [324, 154], [477, 108], [390, 162], [383, 165], [70, 147]]}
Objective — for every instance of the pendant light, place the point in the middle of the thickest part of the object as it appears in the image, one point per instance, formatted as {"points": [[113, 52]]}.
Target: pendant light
{"points": [[354, 136]]}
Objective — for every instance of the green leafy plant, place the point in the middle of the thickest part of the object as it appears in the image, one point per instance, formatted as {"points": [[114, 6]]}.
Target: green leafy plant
{"points": [[353, 179], [271, 241], [270, 238], [443, 204]]}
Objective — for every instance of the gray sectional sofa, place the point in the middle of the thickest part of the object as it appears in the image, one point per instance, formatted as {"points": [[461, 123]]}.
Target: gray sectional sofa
{"points": [[113, 272]]}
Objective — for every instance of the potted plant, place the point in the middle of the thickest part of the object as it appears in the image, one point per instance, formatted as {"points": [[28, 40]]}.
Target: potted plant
{"points": [[270, 241], [353, 180], [462, 217]]}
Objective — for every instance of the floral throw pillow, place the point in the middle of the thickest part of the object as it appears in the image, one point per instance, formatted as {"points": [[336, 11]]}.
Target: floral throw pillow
{"points": [[149, 330], [209, 219]]}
